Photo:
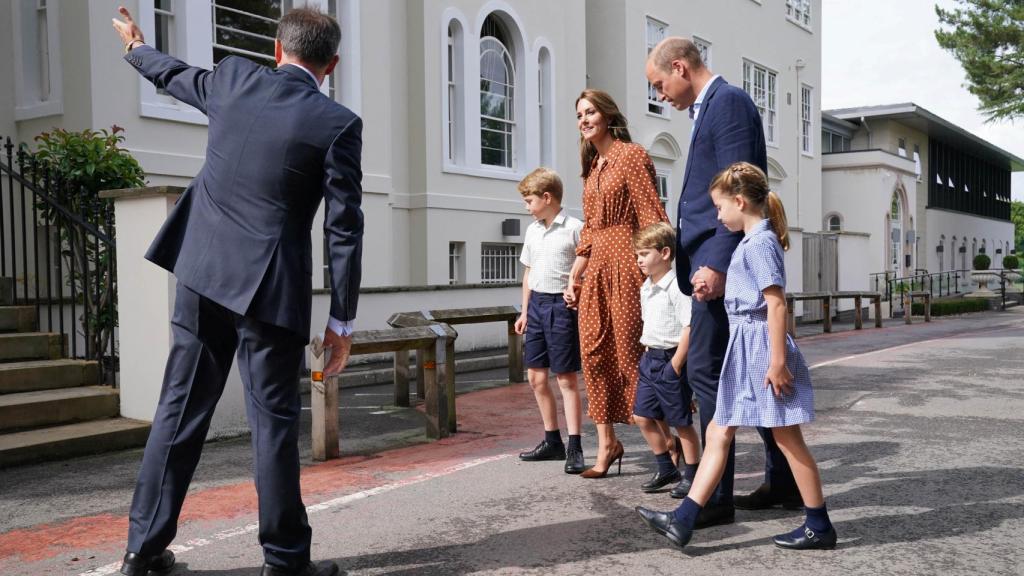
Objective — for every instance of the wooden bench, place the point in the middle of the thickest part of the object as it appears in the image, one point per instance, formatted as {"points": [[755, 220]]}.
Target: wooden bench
{"points": [[449, 316], [826, 308], [858, 299], [921, 295], [432, 344]]}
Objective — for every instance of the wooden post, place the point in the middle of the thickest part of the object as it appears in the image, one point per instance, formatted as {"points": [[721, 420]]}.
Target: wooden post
{"points": [[877, 298], [826, 307], [928, 307], [420, 378], [790, 316], [432, 404], [908, 307], [515, 354], [402, 378], [858, 315], [323, 405], [449, 380]]}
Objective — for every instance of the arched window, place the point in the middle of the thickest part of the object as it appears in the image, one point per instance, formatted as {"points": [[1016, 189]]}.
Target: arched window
{"points": [[896, 231], [940, 251], [974, 248], [952, 253], [834, 223], [545, 107], [497, 95], [453, 95]]}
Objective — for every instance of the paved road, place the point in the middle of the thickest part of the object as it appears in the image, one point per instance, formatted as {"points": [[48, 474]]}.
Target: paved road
{"points": [[918, 435]]}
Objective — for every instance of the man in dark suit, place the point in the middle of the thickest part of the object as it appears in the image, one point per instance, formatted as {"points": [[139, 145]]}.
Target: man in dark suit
{"points": [[238, 242], [726, 129]]}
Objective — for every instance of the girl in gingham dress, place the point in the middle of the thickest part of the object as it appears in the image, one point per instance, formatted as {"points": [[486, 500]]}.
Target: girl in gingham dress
{"points": [[765, 381]]}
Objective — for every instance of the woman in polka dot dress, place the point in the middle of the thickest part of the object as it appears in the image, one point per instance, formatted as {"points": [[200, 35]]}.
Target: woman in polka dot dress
{"points": [[619, 198]]}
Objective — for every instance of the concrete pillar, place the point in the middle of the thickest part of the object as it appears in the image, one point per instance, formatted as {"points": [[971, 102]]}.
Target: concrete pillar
{"points": [[145, 296]]}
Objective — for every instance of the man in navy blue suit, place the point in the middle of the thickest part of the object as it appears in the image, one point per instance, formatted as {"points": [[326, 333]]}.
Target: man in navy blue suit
{"points": [[726, 129], [238, 242]]}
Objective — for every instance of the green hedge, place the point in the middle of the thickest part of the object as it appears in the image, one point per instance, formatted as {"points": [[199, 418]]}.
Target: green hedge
{"points": [[951, 307]]}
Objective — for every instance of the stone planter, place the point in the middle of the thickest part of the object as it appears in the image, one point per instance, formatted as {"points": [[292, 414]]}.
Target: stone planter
{"points": [[1012, 277], [981, 279]]}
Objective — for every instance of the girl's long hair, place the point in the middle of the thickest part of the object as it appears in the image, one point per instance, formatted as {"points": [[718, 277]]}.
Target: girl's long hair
{"points": [[745, 179], [617, 125]]}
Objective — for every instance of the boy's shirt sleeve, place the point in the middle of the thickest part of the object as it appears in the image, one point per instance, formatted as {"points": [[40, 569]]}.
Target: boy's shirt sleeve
{"points": [[683, 306], [526, 256]]}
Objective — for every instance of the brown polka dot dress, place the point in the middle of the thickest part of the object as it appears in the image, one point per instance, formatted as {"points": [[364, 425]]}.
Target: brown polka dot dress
{"points": [[619, 198]]}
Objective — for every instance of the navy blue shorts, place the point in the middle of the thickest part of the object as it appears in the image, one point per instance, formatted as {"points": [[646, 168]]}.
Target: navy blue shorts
{"points": [[661, 394], [552, 337]]}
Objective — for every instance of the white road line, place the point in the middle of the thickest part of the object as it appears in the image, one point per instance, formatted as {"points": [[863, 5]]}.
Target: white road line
{"points": [[908, 345], [112, 568]]}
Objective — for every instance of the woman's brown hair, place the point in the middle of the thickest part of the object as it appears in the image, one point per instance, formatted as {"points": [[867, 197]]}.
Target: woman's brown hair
{"points": [[745, 179], [617, 124]]}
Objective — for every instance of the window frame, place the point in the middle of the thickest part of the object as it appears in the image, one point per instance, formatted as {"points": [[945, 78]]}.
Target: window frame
{"points": [[704, 47], [502, 261], [655, 107], [799, 12], [806, 120], [28, 100], [769, 110]]}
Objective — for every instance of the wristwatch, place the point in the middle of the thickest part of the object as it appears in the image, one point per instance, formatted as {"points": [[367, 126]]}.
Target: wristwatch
{"points": [[131, 45]]}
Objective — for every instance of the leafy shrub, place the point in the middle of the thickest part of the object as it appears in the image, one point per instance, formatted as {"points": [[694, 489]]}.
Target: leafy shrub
{"points": [[982, 262], [1011, 262], [952, 307]]}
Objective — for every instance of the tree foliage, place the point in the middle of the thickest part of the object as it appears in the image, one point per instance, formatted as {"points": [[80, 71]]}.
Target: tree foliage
{"points": [[1017, 216], [987, 37]]}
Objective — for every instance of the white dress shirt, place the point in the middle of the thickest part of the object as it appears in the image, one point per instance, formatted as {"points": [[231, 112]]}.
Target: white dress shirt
{"points": [[665, 312], [549, 252]]}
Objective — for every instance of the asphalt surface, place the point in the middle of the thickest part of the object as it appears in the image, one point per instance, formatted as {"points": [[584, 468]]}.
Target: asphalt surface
{"points": [[918, 437]]}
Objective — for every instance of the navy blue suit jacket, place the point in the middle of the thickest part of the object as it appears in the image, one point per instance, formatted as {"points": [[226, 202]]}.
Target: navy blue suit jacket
{"points": [[240, 235], [728, 130]]}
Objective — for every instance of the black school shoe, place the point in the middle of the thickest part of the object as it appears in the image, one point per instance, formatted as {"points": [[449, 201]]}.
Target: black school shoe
{"points": [[574, 461], [136, 565], [665, 523], [544, 451], [659, 481], [763, 498], [807, 539], [682, 489]]}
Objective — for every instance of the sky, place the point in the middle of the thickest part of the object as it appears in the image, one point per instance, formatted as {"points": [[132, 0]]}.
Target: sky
{"points": [[884, 52]]}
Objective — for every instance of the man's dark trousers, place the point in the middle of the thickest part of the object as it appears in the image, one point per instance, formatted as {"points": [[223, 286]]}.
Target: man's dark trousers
{"points": [[709, 337], [206, 337]]}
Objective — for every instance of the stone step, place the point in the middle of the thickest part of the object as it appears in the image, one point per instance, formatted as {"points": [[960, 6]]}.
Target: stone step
{"points": [[31, 346], [32, 375], [52, 407], [17, 318], [6, 291], [58, 442]]}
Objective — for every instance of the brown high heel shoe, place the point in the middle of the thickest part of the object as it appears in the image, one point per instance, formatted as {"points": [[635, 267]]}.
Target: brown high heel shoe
{"points": [[617, 454]]}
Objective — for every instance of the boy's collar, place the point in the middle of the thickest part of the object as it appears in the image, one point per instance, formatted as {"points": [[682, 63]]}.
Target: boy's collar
{"points": [[665, 281]]}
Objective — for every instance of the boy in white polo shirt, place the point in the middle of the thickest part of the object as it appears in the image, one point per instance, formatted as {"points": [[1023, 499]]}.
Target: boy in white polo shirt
{"points": [[551, 329], [663, 397]]}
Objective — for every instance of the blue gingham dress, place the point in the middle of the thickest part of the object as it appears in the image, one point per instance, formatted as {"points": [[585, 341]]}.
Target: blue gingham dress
{"points": [[743, 399]]}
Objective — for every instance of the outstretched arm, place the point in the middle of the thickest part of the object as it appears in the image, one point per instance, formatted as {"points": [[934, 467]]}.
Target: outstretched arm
{"points": [[186, 83]]}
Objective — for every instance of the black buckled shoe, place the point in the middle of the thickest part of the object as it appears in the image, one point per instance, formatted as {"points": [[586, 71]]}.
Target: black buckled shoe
{"points": [[659, 481], [574, 460], [763, 498], [682, 489], [326, 568], [136, 565], [715, 516], [807, 540], [544, 451], [665, 523]]}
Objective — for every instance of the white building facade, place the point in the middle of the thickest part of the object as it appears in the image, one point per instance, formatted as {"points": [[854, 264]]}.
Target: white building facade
{"points": [[930, 195]]}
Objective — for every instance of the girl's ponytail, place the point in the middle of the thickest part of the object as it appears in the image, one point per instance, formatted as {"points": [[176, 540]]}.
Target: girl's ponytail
{"points": [[777, 216]]}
